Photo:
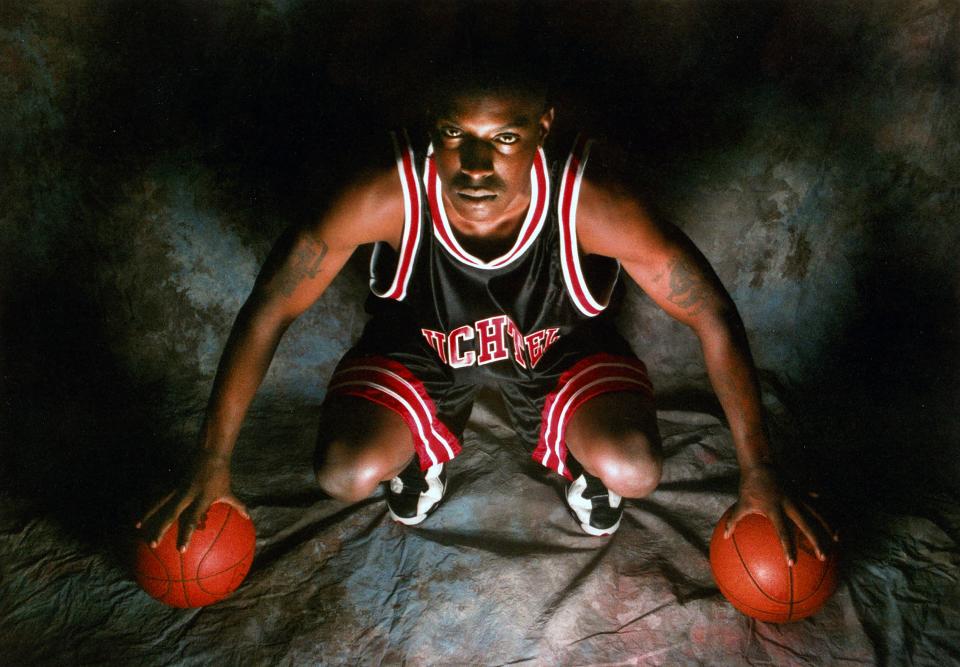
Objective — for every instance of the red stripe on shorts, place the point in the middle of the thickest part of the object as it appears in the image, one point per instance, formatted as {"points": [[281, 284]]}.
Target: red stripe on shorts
{"points": [[392, 385], [589, 377]]}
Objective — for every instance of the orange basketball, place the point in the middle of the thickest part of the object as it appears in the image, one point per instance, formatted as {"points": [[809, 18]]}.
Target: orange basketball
{"points": [[216, 561], [752, 573]]}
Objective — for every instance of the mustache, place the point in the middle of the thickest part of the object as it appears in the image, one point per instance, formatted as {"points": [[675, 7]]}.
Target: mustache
{"points": [[464, 182]]}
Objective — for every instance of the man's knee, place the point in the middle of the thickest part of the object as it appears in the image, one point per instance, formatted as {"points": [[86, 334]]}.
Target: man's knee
{"points": [[361, 445], [345, 473], [615, 438], [627, 460], [629, 464]]}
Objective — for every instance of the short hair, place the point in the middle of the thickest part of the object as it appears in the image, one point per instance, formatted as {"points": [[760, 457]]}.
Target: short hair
{"points": [[489, 62]]}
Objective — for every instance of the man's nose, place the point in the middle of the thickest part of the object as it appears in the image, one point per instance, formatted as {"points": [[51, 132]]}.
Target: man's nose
{"points": [[476, 158]]}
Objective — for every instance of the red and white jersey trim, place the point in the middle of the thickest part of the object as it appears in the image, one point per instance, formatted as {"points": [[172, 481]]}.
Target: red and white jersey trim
{"points": [[597, 374], [412, 208], [529, 230], [567, 216], [392, 385]]}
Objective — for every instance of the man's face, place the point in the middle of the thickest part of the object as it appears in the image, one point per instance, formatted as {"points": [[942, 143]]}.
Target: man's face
{"points": [[484, 145]]}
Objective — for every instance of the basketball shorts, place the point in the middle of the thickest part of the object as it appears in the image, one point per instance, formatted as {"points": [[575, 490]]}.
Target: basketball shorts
{"points": [[397, 368]]}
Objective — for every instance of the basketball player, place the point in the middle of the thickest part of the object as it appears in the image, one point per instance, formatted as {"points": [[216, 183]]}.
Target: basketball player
{"points": [[497, 251]]}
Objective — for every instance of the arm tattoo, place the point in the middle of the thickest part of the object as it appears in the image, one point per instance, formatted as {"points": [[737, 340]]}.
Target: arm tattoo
{"points": [[305, 264], [687, 288]]}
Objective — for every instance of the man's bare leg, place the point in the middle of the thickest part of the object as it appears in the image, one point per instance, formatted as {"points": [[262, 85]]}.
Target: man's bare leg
{"points": [[360, 445], [614, 437]]}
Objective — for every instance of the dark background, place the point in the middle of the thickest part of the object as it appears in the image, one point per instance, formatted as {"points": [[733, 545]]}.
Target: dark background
{"points": [[151, 153]]}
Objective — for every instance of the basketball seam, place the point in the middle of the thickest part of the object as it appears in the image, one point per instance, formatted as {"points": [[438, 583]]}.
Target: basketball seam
{"points": [[816, 589], [214, 540], [790, 610], [168, 579], [212, 574], [727, 593], [183, 583], [234, 580], [244, 575], [730, 596], [213, 543], [231, 587], [218, 595], [750, 574]]}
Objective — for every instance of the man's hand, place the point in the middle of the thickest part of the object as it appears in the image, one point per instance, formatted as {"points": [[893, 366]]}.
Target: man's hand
{"points": [[760, 493], [208, 483]]}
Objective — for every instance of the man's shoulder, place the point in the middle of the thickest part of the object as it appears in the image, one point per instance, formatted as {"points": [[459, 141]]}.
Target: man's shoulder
{"points": [[613, 203], [611, 182], [368, 205], [609, 167], [377, 185]]}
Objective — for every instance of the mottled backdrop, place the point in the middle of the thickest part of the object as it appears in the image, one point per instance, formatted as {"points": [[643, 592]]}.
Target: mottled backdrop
{"points": [[150, 153]]}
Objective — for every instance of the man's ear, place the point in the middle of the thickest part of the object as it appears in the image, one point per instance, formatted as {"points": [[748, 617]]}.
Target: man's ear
{"points": [[545, 123]]}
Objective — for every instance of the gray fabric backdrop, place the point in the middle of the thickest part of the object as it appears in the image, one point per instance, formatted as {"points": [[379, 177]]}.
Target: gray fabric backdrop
{"points": [[150, 154]]}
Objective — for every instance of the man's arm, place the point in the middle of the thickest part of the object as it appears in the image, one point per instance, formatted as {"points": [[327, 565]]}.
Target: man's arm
{"points": [[299, 269], [669, 268]]}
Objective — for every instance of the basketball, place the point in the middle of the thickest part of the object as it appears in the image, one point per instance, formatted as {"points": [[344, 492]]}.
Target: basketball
{"points": [[216, 561], [752, 573]]}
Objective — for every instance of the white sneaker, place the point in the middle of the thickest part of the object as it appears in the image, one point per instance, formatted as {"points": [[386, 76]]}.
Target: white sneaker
{"points": [[597, 508], [414, 494]]}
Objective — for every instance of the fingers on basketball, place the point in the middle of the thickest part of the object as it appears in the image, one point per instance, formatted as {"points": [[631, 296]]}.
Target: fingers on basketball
{"points": [[158, 520], [192, 518], [154, 509], [195, 516], [816, 530], [735, 518], [827, 529], [236, 504], [785, 535], [166, 517]]}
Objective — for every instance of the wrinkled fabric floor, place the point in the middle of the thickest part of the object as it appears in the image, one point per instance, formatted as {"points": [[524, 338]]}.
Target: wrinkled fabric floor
{"points": [[500, 574]]}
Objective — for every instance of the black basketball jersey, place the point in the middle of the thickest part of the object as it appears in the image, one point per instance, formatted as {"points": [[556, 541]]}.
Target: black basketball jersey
{"points": [[501, 317]]}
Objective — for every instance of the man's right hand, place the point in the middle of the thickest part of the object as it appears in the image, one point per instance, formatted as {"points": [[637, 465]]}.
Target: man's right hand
{"points": [[209, 482]]}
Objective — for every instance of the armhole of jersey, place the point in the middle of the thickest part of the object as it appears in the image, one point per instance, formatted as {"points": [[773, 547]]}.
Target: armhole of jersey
{"points": [[402, 264], [569, 196]]}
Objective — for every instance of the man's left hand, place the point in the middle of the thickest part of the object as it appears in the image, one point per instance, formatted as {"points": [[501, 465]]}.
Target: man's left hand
{"points": [[760, 493]]}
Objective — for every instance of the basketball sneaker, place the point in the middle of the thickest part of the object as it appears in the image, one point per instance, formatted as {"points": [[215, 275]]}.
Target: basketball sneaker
{"points": [[597, 508], [415, 493]]}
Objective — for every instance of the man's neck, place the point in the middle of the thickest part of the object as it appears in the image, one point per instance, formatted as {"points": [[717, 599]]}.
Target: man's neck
{"points": [[487, 240]]}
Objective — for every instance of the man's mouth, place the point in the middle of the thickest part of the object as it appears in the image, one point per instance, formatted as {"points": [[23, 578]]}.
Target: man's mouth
{"points": [[476, 195]]}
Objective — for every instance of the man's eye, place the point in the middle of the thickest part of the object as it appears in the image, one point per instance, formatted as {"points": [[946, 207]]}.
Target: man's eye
{"points": [[451, 132], [508, 138]]}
